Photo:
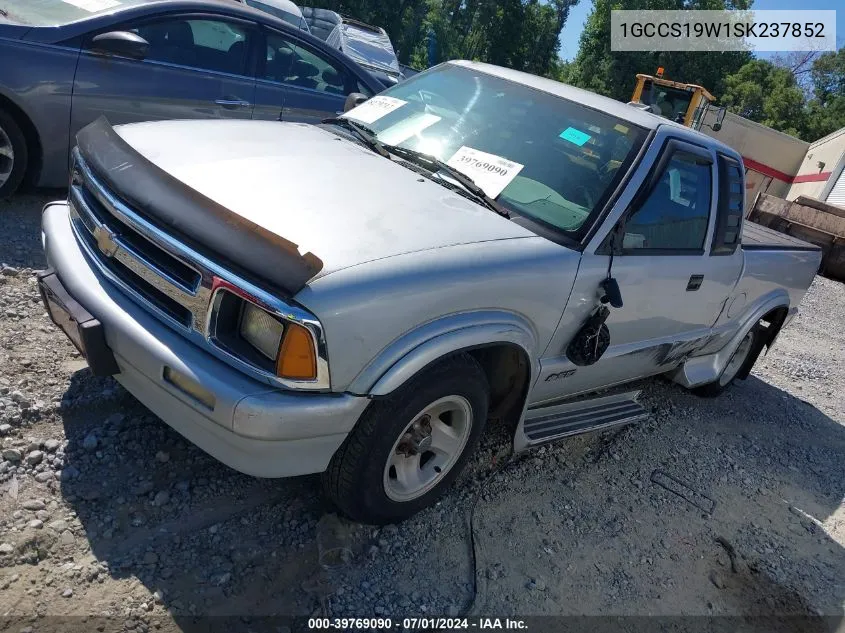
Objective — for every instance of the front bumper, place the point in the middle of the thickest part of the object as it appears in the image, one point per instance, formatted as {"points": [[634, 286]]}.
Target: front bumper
{"points": [[253, 429]]}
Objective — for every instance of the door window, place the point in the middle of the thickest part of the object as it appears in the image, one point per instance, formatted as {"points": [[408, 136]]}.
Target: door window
{"points": [[675, 214], [727, 235], [280, 56], [295, 65], [214, 45]]}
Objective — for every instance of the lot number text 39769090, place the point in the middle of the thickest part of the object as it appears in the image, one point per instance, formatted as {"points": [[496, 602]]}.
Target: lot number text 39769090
{"points": [[414, 624]]}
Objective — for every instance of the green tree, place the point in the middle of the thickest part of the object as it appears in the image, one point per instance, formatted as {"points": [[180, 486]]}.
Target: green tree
{"points": [[826, 110], [767, 94], [610, 73], [521, 34]]}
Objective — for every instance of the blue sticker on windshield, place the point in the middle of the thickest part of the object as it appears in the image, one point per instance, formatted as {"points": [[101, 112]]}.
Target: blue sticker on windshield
{"points": [[575, 136]]}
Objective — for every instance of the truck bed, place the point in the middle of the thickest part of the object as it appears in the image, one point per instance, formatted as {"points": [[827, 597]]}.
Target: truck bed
{"points": [[757, 237]]}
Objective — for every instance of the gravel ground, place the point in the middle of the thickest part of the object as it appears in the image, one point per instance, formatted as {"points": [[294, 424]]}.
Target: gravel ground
{"points": [[105, 512]]}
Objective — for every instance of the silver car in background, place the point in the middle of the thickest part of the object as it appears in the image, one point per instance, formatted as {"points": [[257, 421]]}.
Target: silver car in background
{"points": [[282, 9], [368, 45]]}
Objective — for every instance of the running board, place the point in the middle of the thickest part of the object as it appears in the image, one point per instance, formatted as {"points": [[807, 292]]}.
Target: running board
{"points": [[547, 424]]}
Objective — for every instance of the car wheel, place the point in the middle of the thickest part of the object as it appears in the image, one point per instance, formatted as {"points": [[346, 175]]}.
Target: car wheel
{"points": [[737, 361], [13, 155], [409, 447]]}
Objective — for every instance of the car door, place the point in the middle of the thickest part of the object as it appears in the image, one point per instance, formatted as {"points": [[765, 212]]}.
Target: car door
{"points": [[672, 295], [315, 85], [197, 66], [273, 73]]}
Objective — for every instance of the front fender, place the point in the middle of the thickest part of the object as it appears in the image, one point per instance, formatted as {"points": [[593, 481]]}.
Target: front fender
{"points": [[424, 345]]}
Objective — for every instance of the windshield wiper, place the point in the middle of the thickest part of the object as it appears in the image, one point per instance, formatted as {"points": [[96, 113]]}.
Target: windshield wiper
{"points": [[435, 165], [362, 132], [422, 159]]}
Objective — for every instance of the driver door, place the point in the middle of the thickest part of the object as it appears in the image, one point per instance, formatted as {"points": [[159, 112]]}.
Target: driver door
{"points": [[671, 295]]}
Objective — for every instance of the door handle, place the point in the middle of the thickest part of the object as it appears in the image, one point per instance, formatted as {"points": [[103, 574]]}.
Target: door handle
{"points": [[695, 282], [231, 104]]}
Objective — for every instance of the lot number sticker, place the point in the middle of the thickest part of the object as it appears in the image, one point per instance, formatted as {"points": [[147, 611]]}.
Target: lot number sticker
{"points": [[372, 110], [490, 172], [575, 136]]}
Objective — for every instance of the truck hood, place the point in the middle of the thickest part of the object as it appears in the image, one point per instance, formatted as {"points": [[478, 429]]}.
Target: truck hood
{"points": [[330, 196]]}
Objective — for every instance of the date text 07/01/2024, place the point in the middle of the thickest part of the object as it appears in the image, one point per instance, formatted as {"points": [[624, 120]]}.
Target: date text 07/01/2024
{"points": [[412, 624]]}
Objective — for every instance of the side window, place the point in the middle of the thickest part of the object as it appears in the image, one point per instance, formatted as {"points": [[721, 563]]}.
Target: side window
{"points": [[363, 89], [296, 65], [208, 44], [279, 60], [731, 199], [675, 214]]}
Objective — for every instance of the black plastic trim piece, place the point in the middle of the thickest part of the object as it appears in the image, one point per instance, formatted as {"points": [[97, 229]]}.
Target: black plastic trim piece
{"points": [[779, 247], [90, 338], [168, 202], [722, 243], [695, 282]]}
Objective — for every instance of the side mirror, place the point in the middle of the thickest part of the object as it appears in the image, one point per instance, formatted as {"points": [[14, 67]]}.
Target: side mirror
{"points": [[720, 116], [121, 44], [354, 100], [612, 294]]}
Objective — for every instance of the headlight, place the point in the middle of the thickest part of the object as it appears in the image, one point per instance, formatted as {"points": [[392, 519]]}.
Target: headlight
{"points": [[261, 330], [265, 340]]}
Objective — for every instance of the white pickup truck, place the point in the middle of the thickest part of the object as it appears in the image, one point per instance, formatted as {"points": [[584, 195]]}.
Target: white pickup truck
{"points": [[360, 298]]}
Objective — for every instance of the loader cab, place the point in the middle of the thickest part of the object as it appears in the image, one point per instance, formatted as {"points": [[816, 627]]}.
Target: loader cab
{"points": [[682, 103]]}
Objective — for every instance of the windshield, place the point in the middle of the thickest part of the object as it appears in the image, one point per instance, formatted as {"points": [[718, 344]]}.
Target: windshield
{"points": [[665, 101], [291, 18], [56, 12], [539, 155], [369, 48]]}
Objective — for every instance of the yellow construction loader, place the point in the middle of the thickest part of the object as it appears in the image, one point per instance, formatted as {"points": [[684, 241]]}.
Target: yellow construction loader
{"points": [[683, 103]]}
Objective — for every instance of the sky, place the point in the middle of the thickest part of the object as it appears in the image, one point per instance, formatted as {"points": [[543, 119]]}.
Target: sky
{"points": [[578, 16]]}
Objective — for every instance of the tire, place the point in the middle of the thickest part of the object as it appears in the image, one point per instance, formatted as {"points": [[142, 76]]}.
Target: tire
{"points": [[386, 470], [13, 155], [738, 361]]}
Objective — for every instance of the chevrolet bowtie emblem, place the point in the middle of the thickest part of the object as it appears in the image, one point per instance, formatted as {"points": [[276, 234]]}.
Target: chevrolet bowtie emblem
{"points": [[105, 241]]}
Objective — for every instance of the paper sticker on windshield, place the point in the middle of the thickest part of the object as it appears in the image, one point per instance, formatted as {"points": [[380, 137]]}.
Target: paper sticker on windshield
{"points": [[490, 172], [406, 128], [93, 5], [372, 110], [575, 136]]}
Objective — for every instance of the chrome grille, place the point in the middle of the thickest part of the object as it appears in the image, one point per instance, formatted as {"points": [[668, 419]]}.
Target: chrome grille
{"points": [[168, 278], [126, 246]]}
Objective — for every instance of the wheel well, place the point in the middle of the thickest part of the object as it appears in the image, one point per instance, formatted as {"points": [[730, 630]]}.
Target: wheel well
{"points": [[508, 373], [33, 143], [770, 325]]}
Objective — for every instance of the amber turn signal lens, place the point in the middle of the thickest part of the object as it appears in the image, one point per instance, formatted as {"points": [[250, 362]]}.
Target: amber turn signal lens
{"points": [[297, 357]]}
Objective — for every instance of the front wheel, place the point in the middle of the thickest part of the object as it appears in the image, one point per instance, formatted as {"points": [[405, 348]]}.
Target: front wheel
{"points": [[737, 361], [409, 447], [13, 155]]}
